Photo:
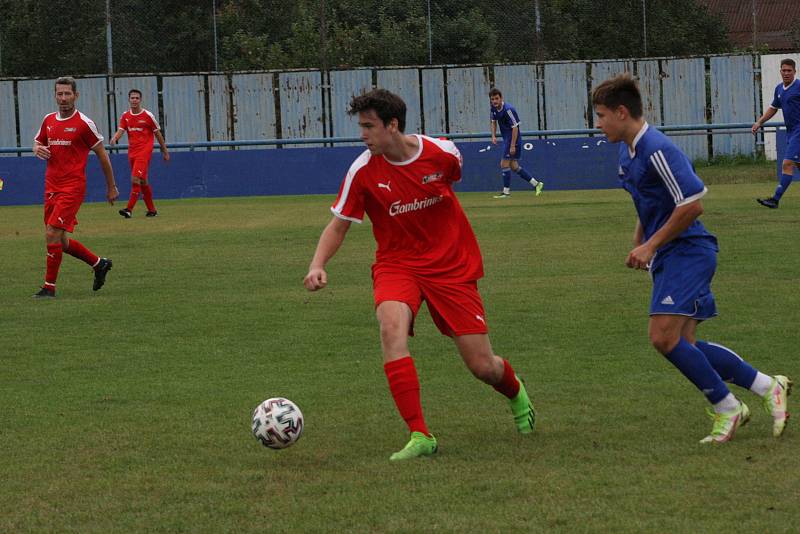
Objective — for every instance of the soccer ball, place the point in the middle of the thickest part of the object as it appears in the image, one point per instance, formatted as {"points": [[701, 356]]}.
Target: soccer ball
{"points": [[277, 423]]}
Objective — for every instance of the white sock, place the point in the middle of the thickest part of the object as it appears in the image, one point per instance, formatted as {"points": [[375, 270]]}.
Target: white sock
{"points": [[534, 182], [761, 384], [506, 190], [727, 404]]}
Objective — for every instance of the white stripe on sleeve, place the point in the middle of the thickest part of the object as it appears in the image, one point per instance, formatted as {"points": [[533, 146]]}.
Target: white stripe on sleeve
{"points": [[662, 167]]}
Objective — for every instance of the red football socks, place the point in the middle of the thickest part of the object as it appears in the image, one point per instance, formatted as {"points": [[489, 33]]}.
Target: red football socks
{"points": [[54, 254], [135, 190], [76, 249], [508, 385], [404, 385], [147, 192]]}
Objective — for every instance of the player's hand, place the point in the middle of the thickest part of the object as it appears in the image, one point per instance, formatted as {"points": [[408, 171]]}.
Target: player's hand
{"points": [[41, 152], [755, 128], [165, 155], [512, 150], [640, 257], [494, 140], [112, 194], [315, 279], [112, 142]]}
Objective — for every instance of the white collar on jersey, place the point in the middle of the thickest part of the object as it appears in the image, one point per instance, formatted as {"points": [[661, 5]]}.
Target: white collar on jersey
{"points": [[58, 116], [632, 148], [410, 160], [785, 87]]}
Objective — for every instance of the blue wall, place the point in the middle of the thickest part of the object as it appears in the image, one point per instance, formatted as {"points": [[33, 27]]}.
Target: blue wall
{"points": [[574, 163]]}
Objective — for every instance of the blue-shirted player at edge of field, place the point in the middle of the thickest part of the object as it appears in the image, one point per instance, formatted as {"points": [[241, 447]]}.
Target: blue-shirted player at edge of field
{"points": [[507, 118], [681, 256], [786, 98]]}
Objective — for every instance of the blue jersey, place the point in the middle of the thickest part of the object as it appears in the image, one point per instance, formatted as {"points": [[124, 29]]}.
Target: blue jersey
{"points": [[506, 118], [660, 177], [788, 100]]}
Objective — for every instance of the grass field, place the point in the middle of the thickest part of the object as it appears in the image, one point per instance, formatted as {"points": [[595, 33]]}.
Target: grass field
{"points": [[129, 409]]}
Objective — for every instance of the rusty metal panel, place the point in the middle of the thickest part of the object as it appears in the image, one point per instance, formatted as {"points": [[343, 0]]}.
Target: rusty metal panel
{"points": [[566, 100], [148, 85], [433, 111], [254, 108], [35, 98], [604, 70], [301, 105], [467, 97], [345, 84], [219, 110], [685, 101], [520, 89], [184, 108], [649, 75], [405, 83], [8, 121], [732, 100]]}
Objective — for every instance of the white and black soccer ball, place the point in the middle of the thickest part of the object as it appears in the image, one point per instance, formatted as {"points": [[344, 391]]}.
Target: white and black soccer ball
{"points": [[277, 423]]}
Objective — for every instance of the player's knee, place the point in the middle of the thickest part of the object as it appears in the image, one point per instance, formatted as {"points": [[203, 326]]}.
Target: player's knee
{"points": [[514, 166], [664, 342], [789, 166]]}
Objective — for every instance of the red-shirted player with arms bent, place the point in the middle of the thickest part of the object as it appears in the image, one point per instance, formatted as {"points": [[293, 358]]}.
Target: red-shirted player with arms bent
{"points": [[426, 251], [142, 127], [64, 141]]}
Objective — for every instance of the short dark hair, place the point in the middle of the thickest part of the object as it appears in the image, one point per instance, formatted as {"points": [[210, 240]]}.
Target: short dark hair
{"points": [[385, 104], [618, 91], [788, 61], [67, 80], [138, 92], [495, 92]]}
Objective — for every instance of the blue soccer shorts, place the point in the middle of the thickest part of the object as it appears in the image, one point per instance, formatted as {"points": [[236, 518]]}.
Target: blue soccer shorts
{"points": [[682, 282], [792, 151], [507, 150]]}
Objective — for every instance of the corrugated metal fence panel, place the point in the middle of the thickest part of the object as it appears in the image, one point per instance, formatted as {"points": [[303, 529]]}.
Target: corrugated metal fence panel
{"points": [[649, 74], [8, 121], [184, 108], [405, 82], [93, 102], [254, 107], [685, 101], [36, 98], [219, 109], [467, 97], [345, 84], [565, 97], [433, 109], [604, 70], [301, 105], [732, 97], [148, 85], [519, 88]]}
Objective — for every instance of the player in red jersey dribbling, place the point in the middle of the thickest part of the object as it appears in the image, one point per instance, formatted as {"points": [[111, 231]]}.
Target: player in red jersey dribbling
{"points": [[64, 141], [426, 251]]}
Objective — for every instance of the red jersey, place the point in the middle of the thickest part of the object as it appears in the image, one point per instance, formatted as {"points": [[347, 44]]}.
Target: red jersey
{"points": [[69, 141], [417, 220], [141, 128]]}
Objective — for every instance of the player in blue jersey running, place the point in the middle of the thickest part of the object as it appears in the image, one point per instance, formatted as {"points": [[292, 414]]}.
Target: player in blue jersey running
{"points": [[681, 256], [786, 98], [507, 118]]}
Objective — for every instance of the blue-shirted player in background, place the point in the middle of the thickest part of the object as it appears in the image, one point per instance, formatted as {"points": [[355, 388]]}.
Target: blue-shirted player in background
{"points": [[507, 118], [681, 256], [787, 98]]}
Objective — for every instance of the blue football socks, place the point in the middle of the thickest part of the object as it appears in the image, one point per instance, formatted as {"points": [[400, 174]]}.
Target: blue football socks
{"points": [[694, 365], [786, 181], [728, 365], [506, 177]]}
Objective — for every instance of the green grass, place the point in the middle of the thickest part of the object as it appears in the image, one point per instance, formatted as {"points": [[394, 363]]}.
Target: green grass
{"points": [[129, 409]]}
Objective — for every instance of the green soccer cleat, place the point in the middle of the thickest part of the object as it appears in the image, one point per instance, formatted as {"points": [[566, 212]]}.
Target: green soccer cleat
{"points": [[502, 195], [419, 445], [539, 188], [522, 408], [775, 403], [726, 423]]}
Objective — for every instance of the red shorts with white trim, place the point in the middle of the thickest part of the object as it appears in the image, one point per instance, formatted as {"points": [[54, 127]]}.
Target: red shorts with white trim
{"points": [[456, 308], [139, 167], [61, 209]]}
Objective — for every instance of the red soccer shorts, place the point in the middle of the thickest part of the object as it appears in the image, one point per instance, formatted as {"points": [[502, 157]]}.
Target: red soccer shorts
{"points": [[139, 167], [61, 209], [456, 308]]}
